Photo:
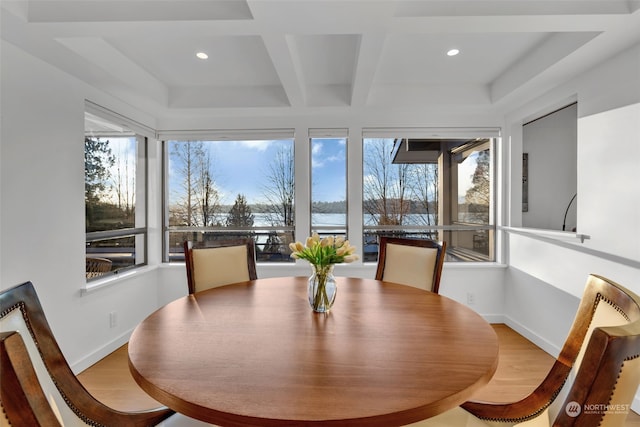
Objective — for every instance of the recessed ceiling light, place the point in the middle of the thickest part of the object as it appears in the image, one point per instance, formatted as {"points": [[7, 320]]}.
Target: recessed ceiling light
{"points": [[453, 52], [202, 55]]}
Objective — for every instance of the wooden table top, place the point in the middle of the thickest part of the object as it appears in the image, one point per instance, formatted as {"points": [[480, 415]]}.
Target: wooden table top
{"points": [[254, 353]]}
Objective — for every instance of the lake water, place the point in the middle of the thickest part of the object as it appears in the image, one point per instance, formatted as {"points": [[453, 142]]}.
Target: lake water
{"points": [[335, 219]]}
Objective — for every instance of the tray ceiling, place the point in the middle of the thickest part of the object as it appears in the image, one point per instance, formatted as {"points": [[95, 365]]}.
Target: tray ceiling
{"points": [[268, 54]]}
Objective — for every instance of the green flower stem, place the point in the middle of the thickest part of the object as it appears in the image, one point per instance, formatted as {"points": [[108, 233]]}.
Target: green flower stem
{"points": [[320, 297]]}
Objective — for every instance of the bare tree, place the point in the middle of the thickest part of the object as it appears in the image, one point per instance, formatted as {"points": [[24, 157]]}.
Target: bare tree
{"points": [[280, 188], [198, 199], [208, 197], [124, 180], [425, 191], [184, 156], [386, 186]]}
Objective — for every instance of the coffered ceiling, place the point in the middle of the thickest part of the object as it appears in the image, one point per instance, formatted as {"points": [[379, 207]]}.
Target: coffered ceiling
{"points": [[307, 54]]}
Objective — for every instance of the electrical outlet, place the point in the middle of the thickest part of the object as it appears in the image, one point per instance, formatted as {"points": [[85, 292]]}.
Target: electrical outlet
{"points": [[471, 298], [113, 319]]}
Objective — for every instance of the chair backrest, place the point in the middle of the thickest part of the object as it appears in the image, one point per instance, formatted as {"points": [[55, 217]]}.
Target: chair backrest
{"points": [[604, 304], [413, 262], [608, 378], [95, 267], [21, 311], [219, 263], [21, 396]]}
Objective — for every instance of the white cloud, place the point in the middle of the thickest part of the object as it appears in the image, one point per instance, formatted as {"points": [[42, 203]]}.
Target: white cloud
{"points": [[316, 159], [257, 145]]}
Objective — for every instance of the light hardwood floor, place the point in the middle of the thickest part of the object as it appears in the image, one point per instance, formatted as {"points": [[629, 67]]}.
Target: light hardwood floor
{"points": [[521, 367]]}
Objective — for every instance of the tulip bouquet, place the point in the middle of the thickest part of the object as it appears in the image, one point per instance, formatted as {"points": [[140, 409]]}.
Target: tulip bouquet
{"points": [[329, 250], [323, 254]]}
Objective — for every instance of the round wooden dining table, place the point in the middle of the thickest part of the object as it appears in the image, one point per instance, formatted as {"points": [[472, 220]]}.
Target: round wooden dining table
{"points": [[255, 354]]}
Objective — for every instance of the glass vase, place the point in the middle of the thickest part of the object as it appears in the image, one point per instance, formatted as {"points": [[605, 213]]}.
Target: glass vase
{"points": [[322, 288]]}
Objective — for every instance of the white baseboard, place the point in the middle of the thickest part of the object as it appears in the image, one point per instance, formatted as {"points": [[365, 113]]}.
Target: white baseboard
{"points": [[102, 352], [541, 342], [493, 318]]}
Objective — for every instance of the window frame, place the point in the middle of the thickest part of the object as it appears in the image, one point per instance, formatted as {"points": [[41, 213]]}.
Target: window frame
{"points": [[329, 133], [218, 136], [355, 229], [141, 219], [446, 181]]}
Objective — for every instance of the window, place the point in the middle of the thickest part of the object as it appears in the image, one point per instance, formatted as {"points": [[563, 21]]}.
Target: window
{"points": [[328, 182], [471, 169], [434, 188], [219, 189], [115, 180]]}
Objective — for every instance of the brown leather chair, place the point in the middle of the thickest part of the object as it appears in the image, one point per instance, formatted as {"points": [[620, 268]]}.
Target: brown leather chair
{"points": [[21, 313], [594, 379], [413, 262], [219, 263]]}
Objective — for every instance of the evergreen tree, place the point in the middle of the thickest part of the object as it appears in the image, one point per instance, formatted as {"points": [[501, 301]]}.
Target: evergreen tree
{"points": [[240, 213], [478, 196], [98, 159]]}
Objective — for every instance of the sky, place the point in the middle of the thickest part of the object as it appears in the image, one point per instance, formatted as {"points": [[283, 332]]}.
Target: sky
{"points": [[466, 170], [123, 170], [328, 169], [241, 167]]}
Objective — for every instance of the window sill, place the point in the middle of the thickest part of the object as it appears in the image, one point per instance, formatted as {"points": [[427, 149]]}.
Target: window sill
{"points": [[114, 279], [550, 234]]}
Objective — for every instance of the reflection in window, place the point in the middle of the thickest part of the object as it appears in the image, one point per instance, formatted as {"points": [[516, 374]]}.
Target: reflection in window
{"points": [[227, 190], [473, 167]]}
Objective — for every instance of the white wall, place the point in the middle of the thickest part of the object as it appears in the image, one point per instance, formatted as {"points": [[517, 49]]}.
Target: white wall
{"points": [[609, 158], [42, 223], [608, 144], [546, 275]]}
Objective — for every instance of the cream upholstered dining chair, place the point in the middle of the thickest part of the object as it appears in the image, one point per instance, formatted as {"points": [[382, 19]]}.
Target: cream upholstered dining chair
{"points": [[38, 387], [592, 382], [413, 262], [219, 263]]}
